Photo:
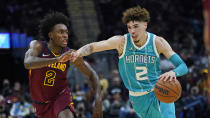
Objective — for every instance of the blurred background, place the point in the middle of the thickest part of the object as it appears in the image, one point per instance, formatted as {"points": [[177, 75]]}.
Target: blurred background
{"points": [[179, 22]]}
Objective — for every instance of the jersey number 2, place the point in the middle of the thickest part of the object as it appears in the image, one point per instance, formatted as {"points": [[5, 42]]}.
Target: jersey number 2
{"points": [[50, 78], [142, 74]]}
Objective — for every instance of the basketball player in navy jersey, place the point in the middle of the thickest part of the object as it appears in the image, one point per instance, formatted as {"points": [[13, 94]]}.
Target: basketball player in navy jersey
{"points": [[48, 63], [139, 63]]}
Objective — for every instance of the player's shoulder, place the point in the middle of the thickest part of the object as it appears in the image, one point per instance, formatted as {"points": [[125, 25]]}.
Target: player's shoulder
{"points": [[121, 38], [116, 40], [118, 37], [36, 45], [159, 40], [160, 43], [120, 43]]}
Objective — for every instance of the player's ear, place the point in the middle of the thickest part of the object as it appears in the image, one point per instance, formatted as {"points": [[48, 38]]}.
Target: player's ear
{"points": [[145, 25]]}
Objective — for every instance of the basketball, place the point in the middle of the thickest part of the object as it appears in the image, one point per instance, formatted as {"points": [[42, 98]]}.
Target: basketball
{"points": [[167, 91]]}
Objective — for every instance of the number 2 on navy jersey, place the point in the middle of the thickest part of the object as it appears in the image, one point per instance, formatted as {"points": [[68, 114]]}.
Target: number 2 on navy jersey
{"points": [[142, 75]]}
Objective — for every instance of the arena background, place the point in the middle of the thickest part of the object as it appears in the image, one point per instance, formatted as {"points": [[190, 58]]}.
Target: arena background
{"points": [[180, 22]]}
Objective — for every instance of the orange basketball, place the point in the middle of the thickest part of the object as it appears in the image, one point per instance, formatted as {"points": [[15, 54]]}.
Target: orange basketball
{"points": [[167, 91]]}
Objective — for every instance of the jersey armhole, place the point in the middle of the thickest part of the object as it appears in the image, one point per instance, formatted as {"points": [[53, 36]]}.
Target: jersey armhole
{"points": [[154, 45], [125, 44]]}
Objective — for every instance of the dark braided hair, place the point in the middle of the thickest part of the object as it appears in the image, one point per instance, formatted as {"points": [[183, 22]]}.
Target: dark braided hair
{"points": [[49, 21]]}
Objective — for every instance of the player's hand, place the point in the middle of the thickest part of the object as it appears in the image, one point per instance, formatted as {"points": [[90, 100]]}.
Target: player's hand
{"points": [[171, 75], [97, 110], [74, 55], [64, 57]]}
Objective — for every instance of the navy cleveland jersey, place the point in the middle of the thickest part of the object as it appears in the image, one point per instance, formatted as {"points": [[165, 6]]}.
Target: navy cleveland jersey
{"points": [[48, 82]]}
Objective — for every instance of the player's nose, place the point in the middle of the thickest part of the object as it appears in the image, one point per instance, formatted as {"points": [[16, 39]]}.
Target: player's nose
{"points": [[65, 35]]}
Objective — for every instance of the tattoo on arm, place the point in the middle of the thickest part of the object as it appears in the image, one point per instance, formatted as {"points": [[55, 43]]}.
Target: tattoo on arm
{"points": [[85, 50]]}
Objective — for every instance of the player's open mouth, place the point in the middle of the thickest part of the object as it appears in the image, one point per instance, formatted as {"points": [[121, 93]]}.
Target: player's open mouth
{"points": [[64, 42], [134, 37]]}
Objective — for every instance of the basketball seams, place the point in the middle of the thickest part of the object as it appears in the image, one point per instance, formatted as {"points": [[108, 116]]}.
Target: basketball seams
{"points": [[168, 88]]}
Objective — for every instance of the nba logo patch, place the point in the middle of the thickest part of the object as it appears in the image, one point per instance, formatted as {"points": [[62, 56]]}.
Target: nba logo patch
{"points": [[131, 49], [149, 49]]}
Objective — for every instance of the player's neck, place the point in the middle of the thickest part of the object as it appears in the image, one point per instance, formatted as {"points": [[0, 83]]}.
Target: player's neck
{"points": [[142, 40], [55, 49]]}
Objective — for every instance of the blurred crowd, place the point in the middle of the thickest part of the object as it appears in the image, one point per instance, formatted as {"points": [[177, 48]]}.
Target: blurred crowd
{"points": [[178, 22], [22, 16]]}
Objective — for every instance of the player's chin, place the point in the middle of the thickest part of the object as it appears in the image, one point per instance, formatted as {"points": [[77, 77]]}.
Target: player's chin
{"points": [[136, 39], [64, 45]]}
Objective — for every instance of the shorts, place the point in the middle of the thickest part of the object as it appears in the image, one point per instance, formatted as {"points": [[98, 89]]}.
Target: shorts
{"points": [[167, 110], [52, 108], [148, 106]]}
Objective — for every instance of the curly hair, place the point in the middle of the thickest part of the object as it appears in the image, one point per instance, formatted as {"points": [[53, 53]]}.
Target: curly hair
{"points": [[135, 14], [49, 21]]}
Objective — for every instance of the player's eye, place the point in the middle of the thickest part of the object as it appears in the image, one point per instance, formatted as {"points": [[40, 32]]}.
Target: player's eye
{"points": [[136, 26], [59, 32]]}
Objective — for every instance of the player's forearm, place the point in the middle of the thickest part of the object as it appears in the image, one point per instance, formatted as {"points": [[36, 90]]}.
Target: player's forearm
{"points": [[181, 68], [95, 83], [36, 62], [85, 50]]}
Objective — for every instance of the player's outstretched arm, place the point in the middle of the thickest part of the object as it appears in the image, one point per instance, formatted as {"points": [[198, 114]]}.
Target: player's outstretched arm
{"points": [[32, 61], [86, 69], [181, 68], [112, 43]]}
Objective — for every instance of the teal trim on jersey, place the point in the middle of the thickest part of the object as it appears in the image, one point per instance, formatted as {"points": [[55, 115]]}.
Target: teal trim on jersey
{"points": [[139, 67], [181, 67]]}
